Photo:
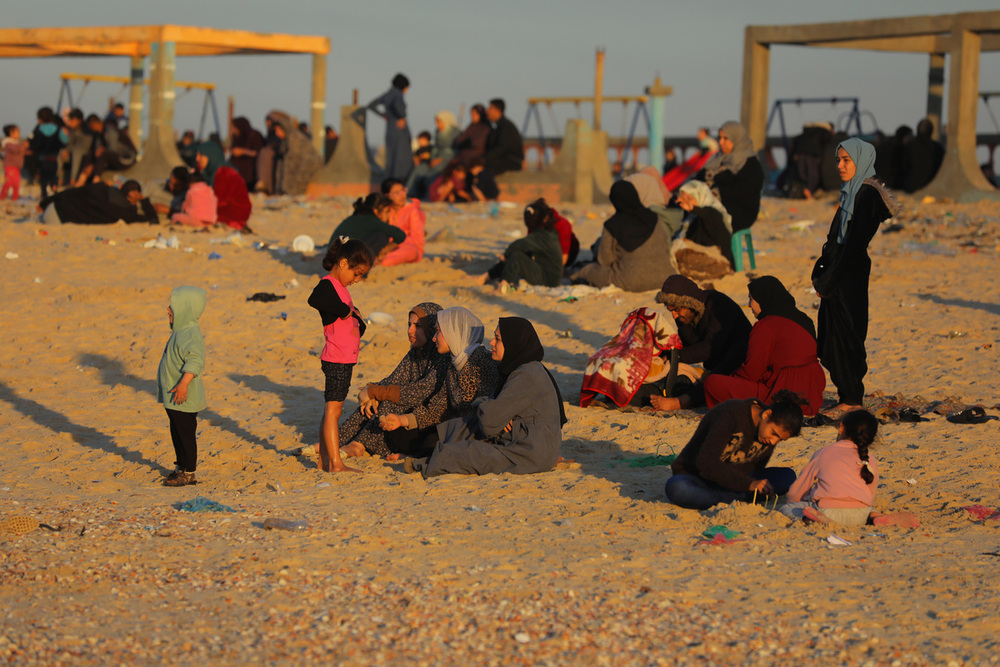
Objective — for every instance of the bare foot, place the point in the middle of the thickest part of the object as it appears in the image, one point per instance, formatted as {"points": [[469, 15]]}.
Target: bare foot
{"points": [[353, 449], [393, 457], [839, 410], [339, 466], [481, 279], [665, 403]]}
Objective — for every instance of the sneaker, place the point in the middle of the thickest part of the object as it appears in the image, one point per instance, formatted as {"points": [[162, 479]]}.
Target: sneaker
{"points": [[179, 478]]}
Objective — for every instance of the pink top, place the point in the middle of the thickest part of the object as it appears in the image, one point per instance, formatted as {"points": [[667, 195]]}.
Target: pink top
{"points": [[411, 219], [13, 153], [832, 478], [200, 203], [343, 336]]}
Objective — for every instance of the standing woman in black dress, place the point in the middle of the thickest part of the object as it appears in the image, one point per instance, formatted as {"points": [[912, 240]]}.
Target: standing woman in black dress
{"points": [[841, 274]]}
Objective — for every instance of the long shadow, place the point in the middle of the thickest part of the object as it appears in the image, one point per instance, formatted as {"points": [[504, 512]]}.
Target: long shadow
{"points": [[303, 265], [605, 459], [82, 435], [113, 374], [991, 308], [289, 397]]}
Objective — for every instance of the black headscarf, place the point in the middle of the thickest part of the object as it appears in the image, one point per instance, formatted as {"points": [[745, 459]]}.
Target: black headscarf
{"points": [[521, 346], [774, 299], [400, 81], [632, 223]]}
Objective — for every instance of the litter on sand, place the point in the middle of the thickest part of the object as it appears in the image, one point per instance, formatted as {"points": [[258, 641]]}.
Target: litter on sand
{"points": [[202, 504]]}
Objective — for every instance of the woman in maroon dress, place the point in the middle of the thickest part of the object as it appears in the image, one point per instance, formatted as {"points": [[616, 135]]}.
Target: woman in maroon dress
{"points": [[781, 353]]}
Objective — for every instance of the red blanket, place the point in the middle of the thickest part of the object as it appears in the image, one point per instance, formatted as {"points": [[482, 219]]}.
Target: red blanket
{"points": [[619, 368]]}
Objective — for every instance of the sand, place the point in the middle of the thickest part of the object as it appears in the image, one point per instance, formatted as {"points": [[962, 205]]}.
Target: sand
{"points": [[587, 564]]}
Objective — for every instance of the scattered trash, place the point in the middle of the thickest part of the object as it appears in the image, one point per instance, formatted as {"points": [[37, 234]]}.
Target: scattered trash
{"points": [[202, 504], [285, 524], [801, 225], [323, 485], [235, 239], [911, 482], [214, 255], [564, 334], [473, 508], [265, 297], [956, 334], [522, 638], [37, 279], [277, 488], [838, 541], [379, 318], [718, 536], [493, 209], [982, 513], [21, 525], [569, 299], [11, 255], [303, 244], [292, 284], [42, 232], [160, 242], [283, 315]]}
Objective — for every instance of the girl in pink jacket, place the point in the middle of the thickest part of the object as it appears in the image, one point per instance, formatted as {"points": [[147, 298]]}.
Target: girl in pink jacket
{"points": [[839, 482], [200, 207]]}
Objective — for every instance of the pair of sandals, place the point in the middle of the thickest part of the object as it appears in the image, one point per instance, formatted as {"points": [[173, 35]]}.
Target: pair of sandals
{"points": [[976, 415]]}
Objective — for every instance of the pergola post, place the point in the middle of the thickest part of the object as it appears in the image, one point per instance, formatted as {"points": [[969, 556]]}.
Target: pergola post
{"points": [[756, 73], [159, 151], [935, 92], [318, 106], [135, 101], [959, 173]]}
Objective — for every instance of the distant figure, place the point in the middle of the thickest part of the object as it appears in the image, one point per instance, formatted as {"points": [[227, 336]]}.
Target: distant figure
{"points": [[391, 106], [735, 175], [840, 275], [450, 185], [296, 160], [669, 160], [422, 153], [409, 217], [201, 206], [78, 142], [479, 182], [472, 141], [186, 148], [45, 142], [234, 206], [244, 146], [116, 116], [98, 204], [111, 149], [634, 248], [330, 143], [439, 155], [923, 157], [504, 146], [13, 161], [369, 223], [536, 258], [707, 147], [890, 158]]}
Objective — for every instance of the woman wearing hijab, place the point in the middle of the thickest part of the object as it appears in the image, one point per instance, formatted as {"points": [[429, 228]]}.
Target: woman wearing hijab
{"points": [[402, 391], [654, 195], [519, 430], [233, 205], [472, 141], [841, 273], [245, 145], [634, 247], [781, 353], [296, 160], [398, 151], [442, 153], [709, 223], [735, 176], [470, 374]]}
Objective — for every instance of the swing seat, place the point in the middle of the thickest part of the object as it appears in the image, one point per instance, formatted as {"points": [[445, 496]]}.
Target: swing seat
{"points": [[737, 246]]}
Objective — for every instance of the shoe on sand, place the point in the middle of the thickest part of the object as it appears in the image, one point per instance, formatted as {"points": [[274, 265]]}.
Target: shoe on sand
{"points": [[408, 466], [179, 478]]}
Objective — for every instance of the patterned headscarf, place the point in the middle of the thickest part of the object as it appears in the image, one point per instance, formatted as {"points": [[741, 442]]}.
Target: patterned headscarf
{"points": [[427, 316]]}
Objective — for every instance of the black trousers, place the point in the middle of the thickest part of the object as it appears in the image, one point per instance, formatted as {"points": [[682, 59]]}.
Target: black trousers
{"points": [[841, 336], [183, 432]]}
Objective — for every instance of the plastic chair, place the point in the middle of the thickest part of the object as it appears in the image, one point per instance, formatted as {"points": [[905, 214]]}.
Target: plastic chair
{"points": [[738, 249]]}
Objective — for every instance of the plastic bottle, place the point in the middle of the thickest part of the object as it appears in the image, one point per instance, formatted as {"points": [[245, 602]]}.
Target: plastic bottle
{"points": [[284, 524]]}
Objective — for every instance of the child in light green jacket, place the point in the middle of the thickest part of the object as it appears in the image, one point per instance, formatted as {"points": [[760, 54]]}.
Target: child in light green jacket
{"points": [[178, 380]]}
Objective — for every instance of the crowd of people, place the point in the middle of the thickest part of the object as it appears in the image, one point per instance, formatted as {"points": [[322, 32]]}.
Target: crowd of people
{"points": [[452, 406]]}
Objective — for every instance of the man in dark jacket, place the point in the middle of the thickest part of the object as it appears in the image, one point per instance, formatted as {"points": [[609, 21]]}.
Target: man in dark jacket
{"points": [[98, 204], [713, 328], [504, 146]]}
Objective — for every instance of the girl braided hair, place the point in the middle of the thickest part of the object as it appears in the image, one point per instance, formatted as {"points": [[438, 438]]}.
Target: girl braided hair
{"points": [[861, 427]]}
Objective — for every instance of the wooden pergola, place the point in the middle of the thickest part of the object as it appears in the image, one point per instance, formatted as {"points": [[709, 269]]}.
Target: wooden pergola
{"points": [[962, 36], [162, 44]]}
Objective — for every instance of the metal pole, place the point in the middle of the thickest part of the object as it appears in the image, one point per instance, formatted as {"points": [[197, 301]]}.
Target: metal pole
{"points": [[657, 106], [598, 88]]}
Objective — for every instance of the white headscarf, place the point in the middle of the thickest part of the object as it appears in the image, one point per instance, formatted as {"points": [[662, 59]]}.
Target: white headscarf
{"points": [[705, 198], [446, 117], [463, 332]]}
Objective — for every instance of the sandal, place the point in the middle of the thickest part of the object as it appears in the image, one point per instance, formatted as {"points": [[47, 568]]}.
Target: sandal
{"points": [[974, 415], [910, 415]]}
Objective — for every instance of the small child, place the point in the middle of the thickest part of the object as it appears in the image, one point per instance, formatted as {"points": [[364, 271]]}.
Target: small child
{"points": [[200, 207], [537, 258], [348, 261], [480, 182], [422, 154], [178, 380], [13, 161], [839, 482]]}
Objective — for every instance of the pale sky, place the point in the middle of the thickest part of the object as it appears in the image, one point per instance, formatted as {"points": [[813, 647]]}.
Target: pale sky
{"points": [[457, 53]]}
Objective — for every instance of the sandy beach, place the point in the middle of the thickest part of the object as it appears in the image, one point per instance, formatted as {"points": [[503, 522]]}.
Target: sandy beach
{"points": [[587, 564]]}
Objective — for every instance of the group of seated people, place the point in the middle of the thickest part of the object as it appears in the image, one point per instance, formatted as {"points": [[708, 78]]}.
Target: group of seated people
{"points": [[461, 165]]}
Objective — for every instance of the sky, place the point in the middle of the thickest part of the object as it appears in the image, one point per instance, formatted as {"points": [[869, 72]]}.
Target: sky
{"points": [[457, 53]]}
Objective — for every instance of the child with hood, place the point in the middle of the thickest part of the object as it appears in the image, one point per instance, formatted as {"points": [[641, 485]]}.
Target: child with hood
{"points": [[178, 380]]}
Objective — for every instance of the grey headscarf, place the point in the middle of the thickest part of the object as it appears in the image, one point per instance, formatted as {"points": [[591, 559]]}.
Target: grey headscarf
{"points": [[732, 161], [463, 332]]}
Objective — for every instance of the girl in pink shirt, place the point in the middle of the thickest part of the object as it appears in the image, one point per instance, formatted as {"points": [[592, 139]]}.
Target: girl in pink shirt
{"points": [[348, 261], [200, 207], [839, 482]]}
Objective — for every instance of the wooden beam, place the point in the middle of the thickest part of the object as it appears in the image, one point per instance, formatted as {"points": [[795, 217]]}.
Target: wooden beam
{"points": [[245, 40], [916, 44], [107, 78]]}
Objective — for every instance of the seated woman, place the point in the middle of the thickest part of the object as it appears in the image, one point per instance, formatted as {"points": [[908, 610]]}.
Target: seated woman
{"points": [[245, 145], [402, 391], [234, 205], [537, 258], [726, 458], [200, 207], [654, 195], [633, 246], [519, 430], [838, 484], [471, 374], [472, 141], [442, 153], [450, 185], [781, 353], [735, 175], [408, 216], [368, 224], [709, 223]]}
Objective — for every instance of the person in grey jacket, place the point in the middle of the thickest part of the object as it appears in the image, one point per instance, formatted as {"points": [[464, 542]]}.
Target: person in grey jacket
{"points": [[518, 430]]}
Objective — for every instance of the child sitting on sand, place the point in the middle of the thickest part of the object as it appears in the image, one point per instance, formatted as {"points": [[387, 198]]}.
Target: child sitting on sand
{"points": [[179, 376], [348, 261], [537, 258], [839, 482]]}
